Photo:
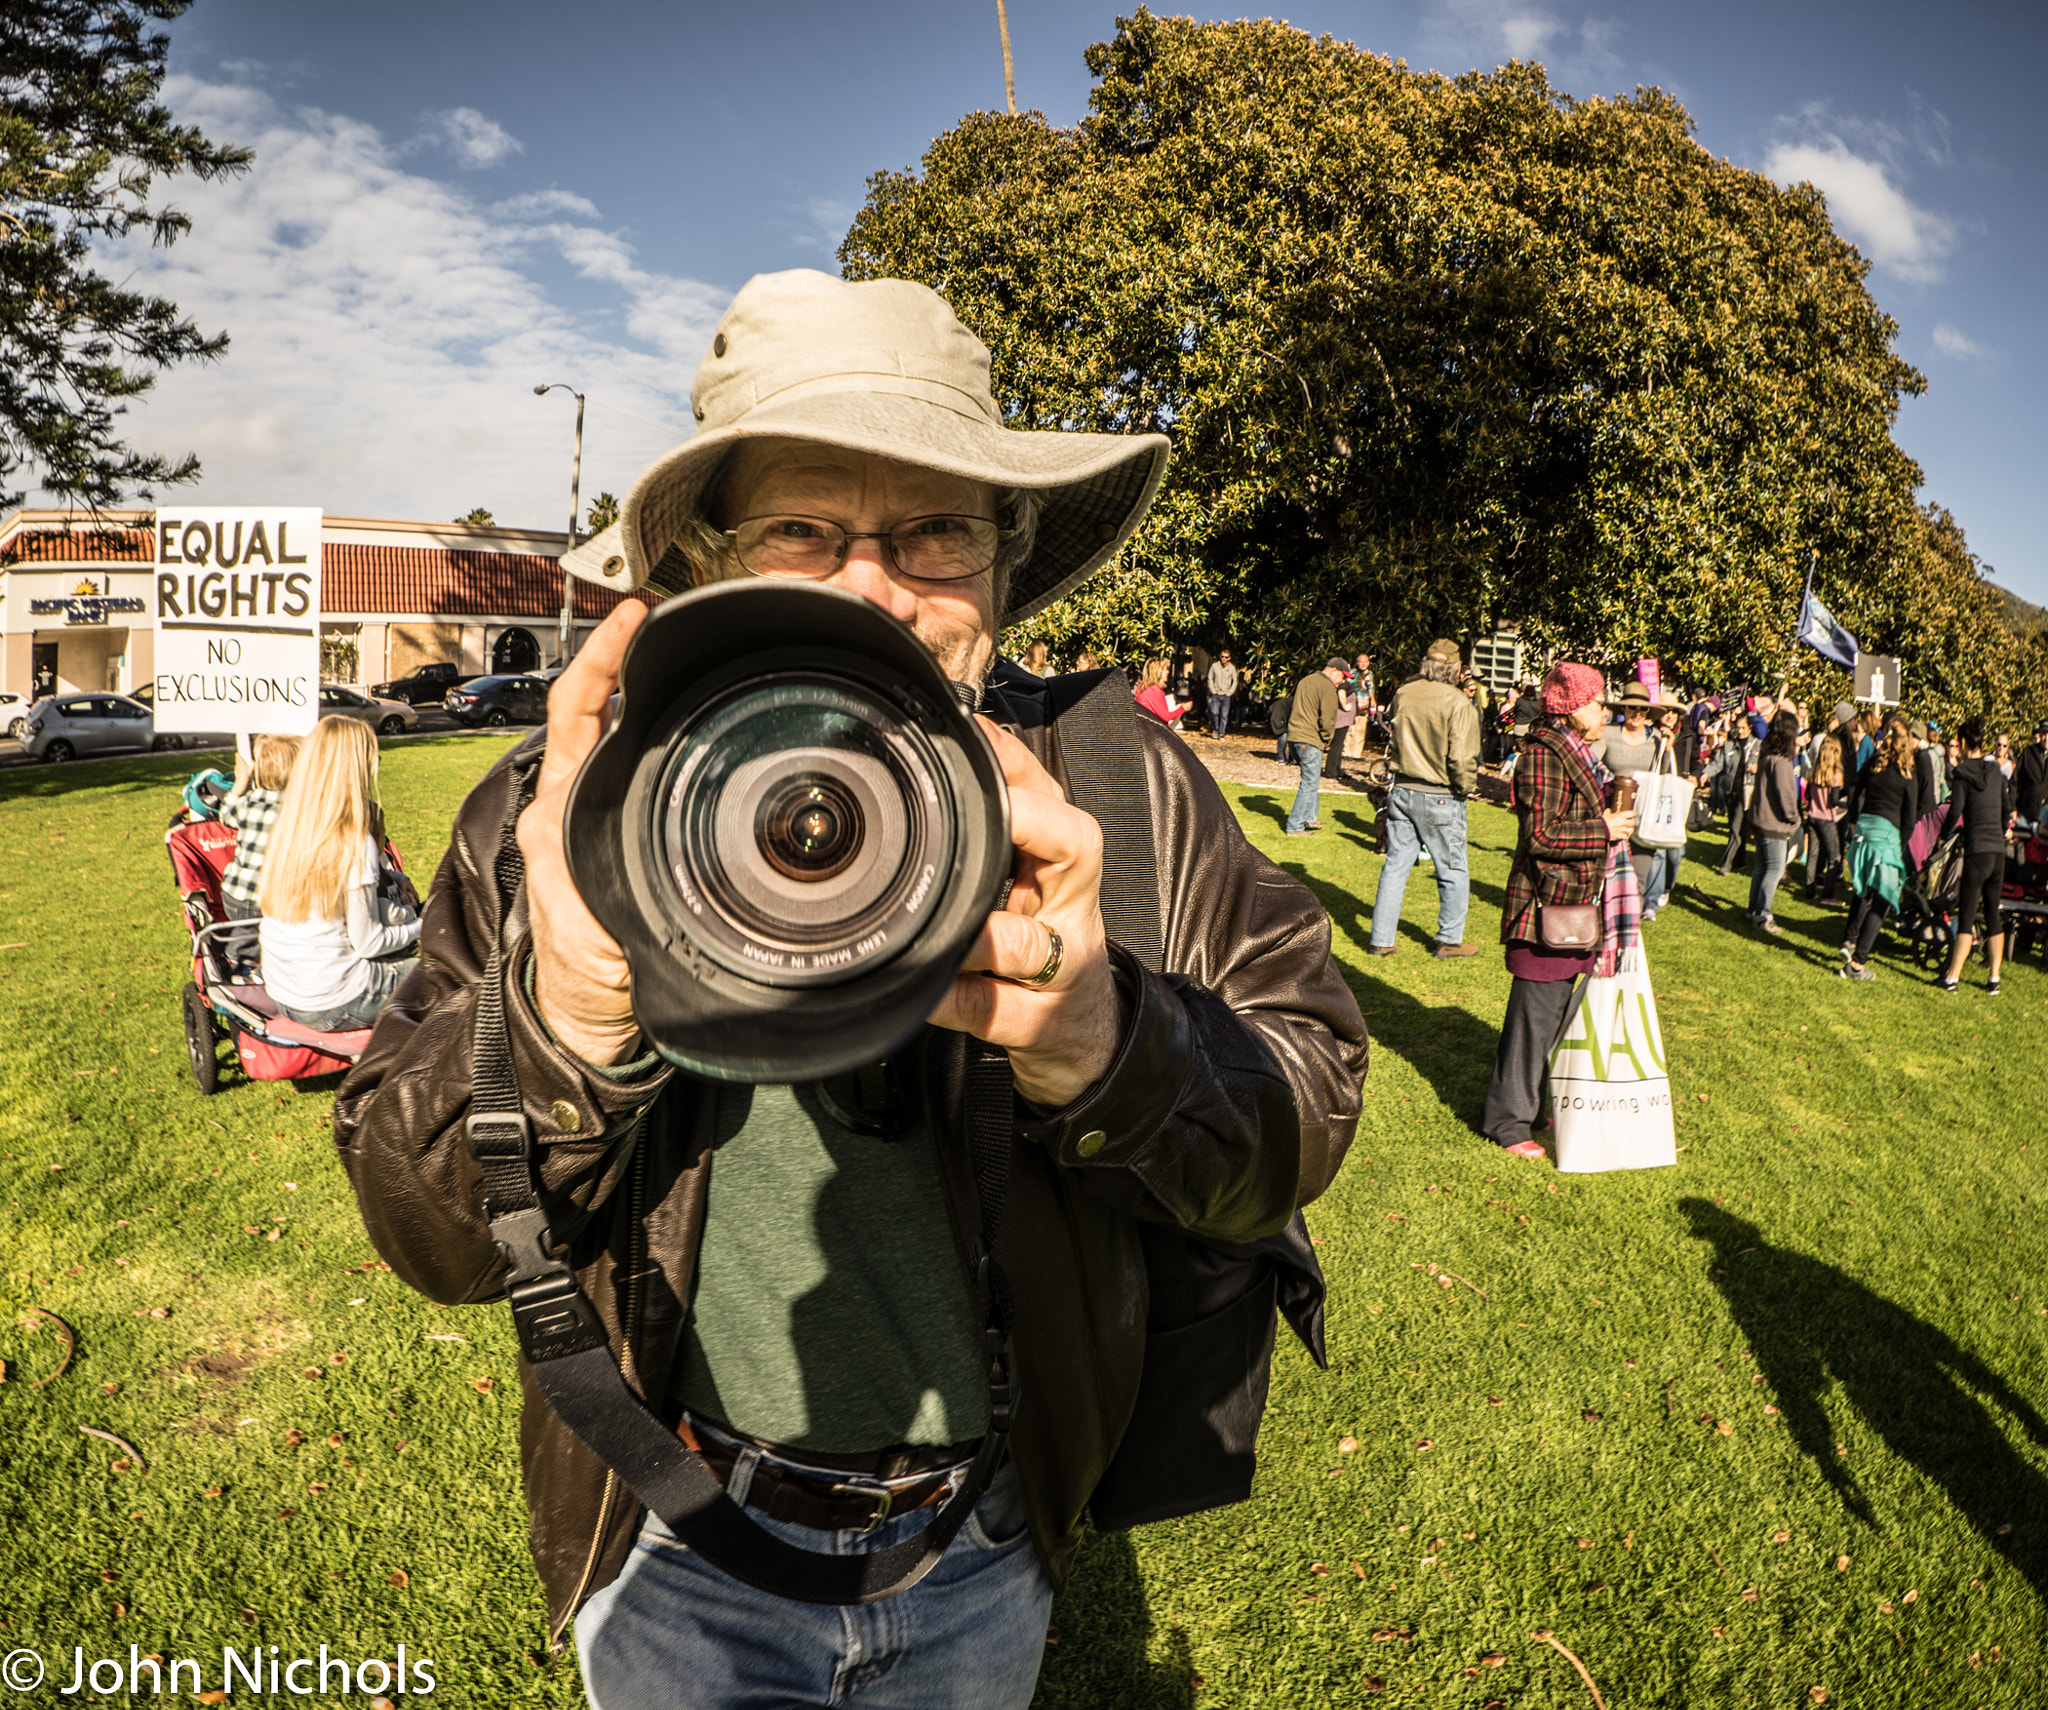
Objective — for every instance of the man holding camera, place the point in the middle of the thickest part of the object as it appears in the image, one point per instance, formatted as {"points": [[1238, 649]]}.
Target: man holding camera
{"points": [[786, 1272]]}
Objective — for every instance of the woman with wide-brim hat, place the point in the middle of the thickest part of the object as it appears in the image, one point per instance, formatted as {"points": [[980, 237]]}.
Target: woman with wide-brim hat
{"points": [[1560, 797]]}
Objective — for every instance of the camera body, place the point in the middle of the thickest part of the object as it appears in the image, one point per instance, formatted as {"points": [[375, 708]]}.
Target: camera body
{"points": [[792, 829]]}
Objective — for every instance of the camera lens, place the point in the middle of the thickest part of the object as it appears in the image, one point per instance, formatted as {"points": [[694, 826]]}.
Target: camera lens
{"points": [[804, 825], [792, 829], [810, 829]]}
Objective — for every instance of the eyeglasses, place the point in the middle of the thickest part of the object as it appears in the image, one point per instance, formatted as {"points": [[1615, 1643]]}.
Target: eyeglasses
{"points": [[931, 549]]}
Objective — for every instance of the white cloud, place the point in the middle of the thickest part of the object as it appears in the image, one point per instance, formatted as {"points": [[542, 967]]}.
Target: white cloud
{"points": [[1485, 32], [474, 140], [1867, 207], [1951, 342], [388, 330]]}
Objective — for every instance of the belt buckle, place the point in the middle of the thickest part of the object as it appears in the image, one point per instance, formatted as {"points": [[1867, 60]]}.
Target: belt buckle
{"points": [[881, 1495]]}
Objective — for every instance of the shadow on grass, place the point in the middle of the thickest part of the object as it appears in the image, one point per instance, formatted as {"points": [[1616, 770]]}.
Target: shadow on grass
{"points": [[1105, 1633], [1446, 1045], [1812, 1327]]}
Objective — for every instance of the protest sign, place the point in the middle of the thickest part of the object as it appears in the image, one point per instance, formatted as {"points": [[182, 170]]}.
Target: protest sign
{"points": [[238, 619], [1877, 679]]}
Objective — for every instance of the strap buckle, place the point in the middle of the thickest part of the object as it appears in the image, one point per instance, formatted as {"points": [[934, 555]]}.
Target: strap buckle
{"points": [[495, 1134], [526, 1241], [553, 1317], [881, 1495]]}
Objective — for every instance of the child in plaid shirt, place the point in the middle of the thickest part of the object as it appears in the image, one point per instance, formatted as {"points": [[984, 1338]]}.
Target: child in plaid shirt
{"points": [[249, 812]]}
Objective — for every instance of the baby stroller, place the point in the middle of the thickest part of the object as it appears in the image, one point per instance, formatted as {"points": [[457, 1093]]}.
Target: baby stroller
{"points": [[1927, 907], [225, 993]]}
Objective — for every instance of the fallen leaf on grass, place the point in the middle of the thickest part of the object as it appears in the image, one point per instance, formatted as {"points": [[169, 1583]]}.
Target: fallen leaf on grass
{"points": [[316, 1490], [1373, 1683], [1425, 1444], [1819, 1694], [1585, 1543], [1910, 1597], [313, 1372], [287, 1515], [1359, 1569], [400, 1578], [1781, 1537], [1841, 1564], [1386, 1635], [1347, 1445], [1726, 1429], [1749, 1594], [1589, 1416], [337, 1359], [214, 1697], [1493, 1659], [294, 1437], [1319, 1570], [1720, 1632], [215, 1491], [335, 1439], [483, 1385]]}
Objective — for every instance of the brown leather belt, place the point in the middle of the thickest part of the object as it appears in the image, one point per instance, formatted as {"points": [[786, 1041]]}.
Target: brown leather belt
{"points": [[819, 1499]]}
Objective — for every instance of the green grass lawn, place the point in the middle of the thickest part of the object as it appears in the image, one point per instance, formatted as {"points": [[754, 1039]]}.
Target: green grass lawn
{"points": [[1759, 1425]]}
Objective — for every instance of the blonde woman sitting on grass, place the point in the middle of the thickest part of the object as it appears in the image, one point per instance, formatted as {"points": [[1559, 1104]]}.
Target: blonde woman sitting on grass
{"points": [[325, 947]]}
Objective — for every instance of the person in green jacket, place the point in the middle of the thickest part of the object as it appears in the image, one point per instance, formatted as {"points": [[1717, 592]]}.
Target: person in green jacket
{"points": [[1309, 729]]}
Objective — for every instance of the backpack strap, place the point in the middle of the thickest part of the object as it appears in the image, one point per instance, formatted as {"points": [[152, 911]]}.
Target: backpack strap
{"points": [[1093, 714]]}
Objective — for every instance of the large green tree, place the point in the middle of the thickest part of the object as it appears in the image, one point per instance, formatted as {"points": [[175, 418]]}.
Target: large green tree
{"points": [[1433, 352], [83, 140]]}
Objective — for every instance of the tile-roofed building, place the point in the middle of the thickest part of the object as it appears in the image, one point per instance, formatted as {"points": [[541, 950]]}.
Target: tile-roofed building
{"points": [[76, 607]]}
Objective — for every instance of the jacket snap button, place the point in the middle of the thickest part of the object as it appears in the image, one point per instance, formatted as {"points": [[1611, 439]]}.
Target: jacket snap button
{"points": [[566, 1116], [1091, 1143], [718, 345]]}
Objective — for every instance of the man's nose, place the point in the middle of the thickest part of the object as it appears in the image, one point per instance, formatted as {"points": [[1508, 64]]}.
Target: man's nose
{"points": [[865, 571]]}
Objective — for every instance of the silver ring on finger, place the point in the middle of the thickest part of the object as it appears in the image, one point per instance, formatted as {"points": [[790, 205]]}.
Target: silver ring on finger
{"points": [[1055, 953]]}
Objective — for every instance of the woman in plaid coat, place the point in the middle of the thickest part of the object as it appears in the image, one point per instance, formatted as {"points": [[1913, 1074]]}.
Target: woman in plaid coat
{"points": [[1560, 858]]}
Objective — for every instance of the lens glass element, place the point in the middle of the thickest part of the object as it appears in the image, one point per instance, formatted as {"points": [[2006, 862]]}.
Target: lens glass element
{"points": [[806, 828]]}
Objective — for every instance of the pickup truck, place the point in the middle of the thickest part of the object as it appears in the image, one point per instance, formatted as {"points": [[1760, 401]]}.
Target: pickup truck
{"points": [[425, 686]]}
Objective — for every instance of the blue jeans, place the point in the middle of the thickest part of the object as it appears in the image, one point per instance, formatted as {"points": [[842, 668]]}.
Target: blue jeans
{"points": [[1307, 794], [672, 1630], [1219, 714], [363, 1009], [1418, 820], [1772, 855], [1663, 876]]}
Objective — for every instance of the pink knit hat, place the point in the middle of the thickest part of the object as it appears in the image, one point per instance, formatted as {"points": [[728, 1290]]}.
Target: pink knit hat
{"points": [[1569, 687]]}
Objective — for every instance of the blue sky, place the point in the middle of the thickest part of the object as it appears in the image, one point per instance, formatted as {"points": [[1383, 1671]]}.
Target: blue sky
{"points": [[454, 201]]}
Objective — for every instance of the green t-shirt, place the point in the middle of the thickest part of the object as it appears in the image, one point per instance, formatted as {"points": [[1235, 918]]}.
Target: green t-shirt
{"points": [[830, 1311]]}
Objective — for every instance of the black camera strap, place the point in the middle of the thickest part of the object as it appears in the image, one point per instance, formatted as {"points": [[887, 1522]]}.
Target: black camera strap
{"points": [[577, 1372]]}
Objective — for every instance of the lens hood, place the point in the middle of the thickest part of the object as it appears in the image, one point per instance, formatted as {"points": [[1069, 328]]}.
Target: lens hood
{"points": [[792, 829]]}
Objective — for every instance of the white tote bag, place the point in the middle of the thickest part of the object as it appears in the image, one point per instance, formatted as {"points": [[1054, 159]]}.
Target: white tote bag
{"points": [[1610, 1096], [1663, 800]]}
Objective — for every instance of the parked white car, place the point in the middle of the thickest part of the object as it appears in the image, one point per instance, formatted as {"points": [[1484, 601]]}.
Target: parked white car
{"points": [[386, 718], [14, 713], [75, 727]]}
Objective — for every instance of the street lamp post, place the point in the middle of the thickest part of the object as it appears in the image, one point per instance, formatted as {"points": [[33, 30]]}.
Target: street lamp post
{"points": [[568, 630]]}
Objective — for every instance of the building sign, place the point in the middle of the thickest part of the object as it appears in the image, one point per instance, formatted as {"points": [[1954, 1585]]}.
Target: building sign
{"points": [[86, 608], [238, 619]]}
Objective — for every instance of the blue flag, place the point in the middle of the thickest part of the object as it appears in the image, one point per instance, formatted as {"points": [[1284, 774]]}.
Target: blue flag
{"points": [[1819, 630]]}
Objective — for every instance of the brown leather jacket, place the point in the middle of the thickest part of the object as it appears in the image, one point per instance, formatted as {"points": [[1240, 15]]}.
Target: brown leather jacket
{"points": [[1231, 1101]]}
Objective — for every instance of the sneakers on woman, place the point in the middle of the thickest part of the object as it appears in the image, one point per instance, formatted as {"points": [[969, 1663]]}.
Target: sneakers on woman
{"points": [[1991, 988], [1851, 972], [1945, 984], [1769, 925]]}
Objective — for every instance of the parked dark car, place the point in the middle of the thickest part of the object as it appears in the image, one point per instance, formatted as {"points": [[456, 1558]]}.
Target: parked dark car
{"points": [[425, 686], [499, 700]]}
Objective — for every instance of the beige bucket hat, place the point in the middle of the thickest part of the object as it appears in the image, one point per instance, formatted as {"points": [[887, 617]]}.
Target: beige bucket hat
{"points": [[881, 366]]}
